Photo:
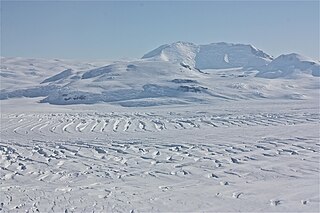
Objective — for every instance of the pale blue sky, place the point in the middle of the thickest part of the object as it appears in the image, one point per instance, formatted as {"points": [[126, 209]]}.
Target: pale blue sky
{"points": [[113, 30]]}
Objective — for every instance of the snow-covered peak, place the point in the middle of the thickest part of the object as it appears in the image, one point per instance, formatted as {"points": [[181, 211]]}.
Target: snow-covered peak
{"points": [[290, 65], [228, 55], [211, 56], [179, 52], [291, 59]]}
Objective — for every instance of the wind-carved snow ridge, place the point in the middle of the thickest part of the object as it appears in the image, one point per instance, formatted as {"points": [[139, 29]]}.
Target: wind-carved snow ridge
{"points": [[63, 74], [192, 160]]}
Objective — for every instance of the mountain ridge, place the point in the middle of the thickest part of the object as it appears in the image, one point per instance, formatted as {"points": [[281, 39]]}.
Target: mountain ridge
{"points": [[211, 56], [178, 73]]}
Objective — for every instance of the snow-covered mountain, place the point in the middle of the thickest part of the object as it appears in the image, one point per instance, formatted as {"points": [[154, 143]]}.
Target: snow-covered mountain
{"points": [[290, 66], [179, 73], [208, 140], [211, 56], [21, 73], [127, 81]]}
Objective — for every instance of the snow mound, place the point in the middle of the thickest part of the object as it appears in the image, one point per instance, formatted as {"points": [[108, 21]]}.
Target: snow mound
{"points": [[21, 73], [212, 56], [290, 66], [125, 81]]}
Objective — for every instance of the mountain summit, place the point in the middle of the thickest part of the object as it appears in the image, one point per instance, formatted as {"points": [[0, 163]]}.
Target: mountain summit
{"points": [[211, 56], [290, 66], [178, 73]]}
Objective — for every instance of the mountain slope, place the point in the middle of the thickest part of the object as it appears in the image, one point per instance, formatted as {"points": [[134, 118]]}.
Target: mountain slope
{"points": [[125, 81], [290, 66], [166, 75], [212, 56]]}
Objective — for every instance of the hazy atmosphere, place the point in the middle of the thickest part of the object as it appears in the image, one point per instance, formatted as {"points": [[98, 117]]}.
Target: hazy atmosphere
{"points": [[121, 29]]}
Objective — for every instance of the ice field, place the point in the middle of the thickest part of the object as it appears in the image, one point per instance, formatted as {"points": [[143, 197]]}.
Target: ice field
{"points": [[171, 132]]}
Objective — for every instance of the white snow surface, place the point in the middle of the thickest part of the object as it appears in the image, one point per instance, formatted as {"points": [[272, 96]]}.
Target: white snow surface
{"points": [[156, 135], [211, 56], [159, 81], [290, 66]]}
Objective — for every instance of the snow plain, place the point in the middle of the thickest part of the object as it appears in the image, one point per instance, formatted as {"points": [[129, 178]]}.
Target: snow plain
{"points": [[245, 143]]}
